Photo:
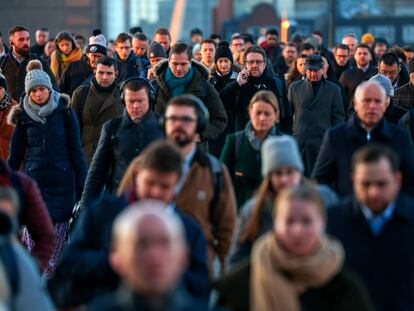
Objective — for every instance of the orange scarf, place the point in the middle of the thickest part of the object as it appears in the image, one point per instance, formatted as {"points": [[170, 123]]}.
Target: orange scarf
{"points": [[59, 61]]}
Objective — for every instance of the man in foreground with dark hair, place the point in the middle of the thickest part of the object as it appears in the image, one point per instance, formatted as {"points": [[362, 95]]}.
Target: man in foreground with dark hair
{"points": [[376, 228]]}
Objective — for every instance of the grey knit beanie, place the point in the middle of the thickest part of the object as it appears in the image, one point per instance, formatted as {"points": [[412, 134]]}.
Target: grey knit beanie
{"points": [[37, 77], [280, 151], [385, 82]]}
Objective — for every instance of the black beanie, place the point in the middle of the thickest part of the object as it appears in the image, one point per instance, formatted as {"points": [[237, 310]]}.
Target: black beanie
{"points": [[222, 51], [3, 81]]}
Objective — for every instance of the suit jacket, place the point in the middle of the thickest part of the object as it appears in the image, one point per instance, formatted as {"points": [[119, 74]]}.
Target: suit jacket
{"points": [[333, 165], [384, 262]]}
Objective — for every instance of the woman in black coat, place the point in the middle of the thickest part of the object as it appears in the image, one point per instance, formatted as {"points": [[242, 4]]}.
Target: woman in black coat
{"points": [[46, 144]]}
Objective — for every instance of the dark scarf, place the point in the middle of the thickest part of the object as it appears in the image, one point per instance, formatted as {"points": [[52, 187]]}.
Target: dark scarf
{"points": [[315, 87], [259, 82], [102, 89], [176, 85], [6, 102]]}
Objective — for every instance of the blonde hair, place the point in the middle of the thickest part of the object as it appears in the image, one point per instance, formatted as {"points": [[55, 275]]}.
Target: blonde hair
{"points": [[267, 97]]}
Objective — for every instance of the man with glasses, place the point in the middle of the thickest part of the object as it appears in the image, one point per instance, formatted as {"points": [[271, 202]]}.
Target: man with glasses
{"points": [[251, 79], [341, 57], [125, 54], [210, 202], [180, 75], [389, 66]]}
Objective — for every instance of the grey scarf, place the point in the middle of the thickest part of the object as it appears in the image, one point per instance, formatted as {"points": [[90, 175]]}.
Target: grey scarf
{"points": [[253, 140], [40, 113]]}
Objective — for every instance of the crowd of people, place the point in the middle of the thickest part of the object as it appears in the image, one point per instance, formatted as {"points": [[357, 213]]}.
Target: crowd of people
{"points": [[248, 174]]}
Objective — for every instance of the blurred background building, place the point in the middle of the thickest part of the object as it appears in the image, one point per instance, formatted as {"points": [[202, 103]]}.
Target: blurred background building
{"points": [[392, 19]]}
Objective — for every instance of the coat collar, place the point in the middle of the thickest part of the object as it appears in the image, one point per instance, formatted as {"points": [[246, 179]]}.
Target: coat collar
{"points": [[126, 121], [403, 207], [355, 130]]}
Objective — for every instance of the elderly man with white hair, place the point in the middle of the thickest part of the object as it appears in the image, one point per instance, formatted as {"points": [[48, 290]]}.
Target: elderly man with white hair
{"points": [[367, 125], [149, 252]]}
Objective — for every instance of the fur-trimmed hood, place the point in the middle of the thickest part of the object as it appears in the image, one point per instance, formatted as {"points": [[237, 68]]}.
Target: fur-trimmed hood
{"points": [[15, 112]]}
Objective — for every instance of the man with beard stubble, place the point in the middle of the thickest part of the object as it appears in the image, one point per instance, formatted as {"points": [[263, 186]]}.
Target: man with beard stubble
{"points": [[14, 63]]}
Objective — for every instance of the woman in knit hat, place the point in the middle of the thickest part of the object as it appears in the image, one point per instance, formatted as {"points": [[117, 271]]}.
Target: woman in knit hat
{"points": [[296, 265], [65, 53], [282, 167], [241, 152], [46, 145], [6, 130], [222, 73]]}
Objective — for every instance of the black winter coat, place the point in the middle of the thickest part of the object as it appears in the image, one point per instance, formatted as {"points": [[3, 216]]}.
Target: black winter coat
{"points": [[120, 142], [84, 271], [15, 73], [51, 154], [343, 292], [74, 74], [352, 77], [333, 165], [384, 262], [238, 98]]}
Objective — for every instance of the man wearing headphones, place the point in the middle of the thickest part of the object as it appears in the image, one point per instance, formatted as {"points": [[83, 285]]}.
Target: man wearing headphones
{"points": [[203, 192], [122, 139], [97, 102]]}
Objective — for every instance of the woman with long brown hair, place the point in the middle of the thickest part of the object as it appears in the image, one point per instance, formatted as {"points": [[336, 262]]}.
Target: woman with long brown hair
{"points": [[65, 53], [297, 71], [282, 167]]}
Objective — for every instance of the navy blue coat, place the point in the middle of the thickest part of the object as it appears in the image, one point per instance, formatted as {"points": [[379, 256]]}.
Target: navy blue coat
{"points": [[84, 271], [51, 154], [333, 165], [120, 142], [384, 262]]}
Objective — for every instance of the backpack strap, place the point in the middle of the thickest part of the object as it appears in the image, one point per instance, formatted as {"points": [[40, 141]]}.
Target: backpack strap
{"points": [[216, 170], [83, 97], [239, 137]]}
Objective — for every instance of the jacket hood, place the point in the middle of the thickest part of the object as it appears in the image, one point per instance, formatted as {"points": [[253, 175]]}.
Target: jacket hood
{"points": [[15, 112], [162, 66]]}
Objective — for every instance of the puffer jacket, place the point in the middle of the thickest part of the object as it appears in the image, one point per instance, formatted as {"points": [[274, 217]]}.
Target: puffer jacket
{"points": [[51, 154]]}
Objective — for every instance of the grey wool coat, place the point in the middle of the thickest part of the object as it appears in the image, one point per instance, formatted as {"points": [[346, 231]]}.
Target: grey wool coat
{"points": [[313, 115]]}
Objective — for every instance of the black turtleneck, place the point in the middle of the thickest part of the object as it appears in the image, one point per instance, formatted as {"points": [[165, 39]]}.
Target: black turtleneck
{"points": [[315, 87], [99, 88]]}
